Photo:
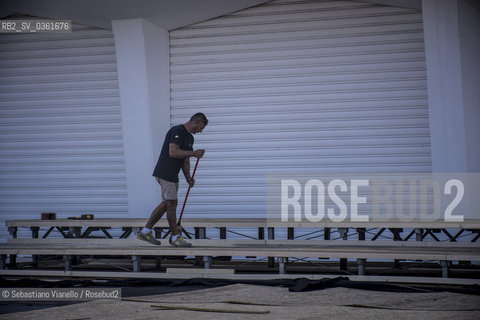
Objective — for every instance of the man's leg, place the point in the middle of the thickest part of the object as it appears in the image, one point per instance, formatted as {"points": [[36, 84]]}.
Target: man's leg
{"points": [[177, 239], [169, 195], [172, 216], [146, 233], [156, 215]]}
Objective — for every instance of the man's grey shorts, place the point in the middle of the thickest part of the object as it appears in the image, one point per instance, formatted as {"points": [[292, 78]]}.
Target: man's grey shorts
{"points": [[169, 189]]}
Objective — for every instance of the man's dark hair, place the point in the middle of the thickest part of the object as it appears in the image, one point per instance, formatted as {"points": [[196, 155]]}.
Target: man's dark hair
{"points": [[199, 117]]}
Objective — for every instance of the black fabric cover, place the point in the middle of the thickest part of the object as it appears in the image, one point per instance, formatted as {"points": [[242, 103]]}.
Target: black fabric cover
{"points": [[159, 286]]}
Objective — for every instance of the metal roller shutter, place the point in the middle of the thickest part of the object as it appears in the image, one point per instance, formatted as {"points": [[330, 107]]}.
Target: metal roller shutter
{"points": [[61, 139], [300, 86]]}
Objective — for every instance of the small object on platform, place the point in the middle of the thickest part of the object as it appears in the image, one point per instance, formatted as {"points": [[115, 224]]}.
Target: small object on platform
{"points": [[83, 217], [49, 216]]}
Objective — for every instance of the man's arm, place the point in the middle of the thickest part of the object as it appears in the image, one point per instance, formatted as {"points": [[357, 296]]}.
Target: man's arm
{"points": [[174, 151], [186, 172]]}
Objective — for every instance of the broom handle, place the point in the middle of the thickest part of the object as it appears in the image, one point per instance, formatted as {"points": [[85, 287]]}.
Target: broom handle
{"points": [[188, 192]]}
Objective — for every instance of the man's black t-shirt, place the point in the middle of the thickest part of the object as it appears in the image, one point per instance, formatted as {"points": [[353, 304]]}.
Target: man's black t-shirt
{"points": [[168, 168]]}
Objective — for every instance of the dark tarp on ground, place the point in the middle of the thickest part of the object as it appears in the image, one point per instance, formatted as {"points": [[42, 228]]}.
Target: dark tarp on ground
{"points": [[158, 286]]}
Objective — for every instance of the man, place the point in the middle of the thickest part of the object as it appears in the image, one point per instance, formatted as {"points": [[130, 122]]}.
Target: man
{"points": [[175, 155]]}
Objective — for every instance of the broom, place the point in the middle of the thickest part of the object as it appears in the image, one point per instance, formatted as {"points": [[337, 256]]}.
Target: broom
{"points": [[188, 192]]}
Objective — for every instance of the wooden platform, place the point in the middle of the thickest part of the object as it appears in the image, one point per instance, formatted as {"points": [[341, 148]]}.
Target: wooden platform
{"points": [[444, 252], [76, 242], [341, 249]]}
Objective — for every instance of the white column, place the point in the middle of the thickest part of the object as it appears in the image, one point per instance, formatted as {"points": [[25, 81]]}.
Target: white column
{"points": [[469, 31], [142, 51], [444, 80], [452, 50]]}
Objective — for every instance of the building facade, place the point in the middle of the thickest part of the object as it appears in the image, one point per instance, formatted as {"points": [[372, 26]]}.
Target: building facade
{"points": [[289, 86]]}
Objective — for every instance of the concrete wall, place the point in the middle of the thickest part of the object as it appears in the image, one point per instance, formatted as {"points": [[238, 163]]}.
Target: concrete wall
{"points": [[143, 71]]}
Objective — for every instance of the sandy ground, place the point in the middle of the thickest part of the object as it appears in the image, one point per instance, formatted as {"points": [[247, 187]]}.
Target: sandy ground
{"points": [[234, 301]]}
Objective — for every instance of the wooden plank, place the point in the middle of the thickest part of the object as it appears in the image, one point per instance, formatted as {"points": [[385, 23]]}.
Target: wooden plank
{"points": [[247, 242], [378, 243], [131, 242], [245, 223], [467, 224], [236, 276], [138, 223], [339, 251]]}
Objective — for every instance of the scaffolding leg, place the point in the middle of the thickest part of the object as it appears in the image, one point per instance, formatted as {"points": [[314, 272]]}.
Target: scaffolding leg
{"points": [[136, 231], [343, 261], [3, 261], [136, 263], [418, 234], [68, 263], [271, 236], [445, 266], [35, 236], [281, 265], [13, 234], [200, 233], [158, 259], [361, 266], [207, 262]]}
